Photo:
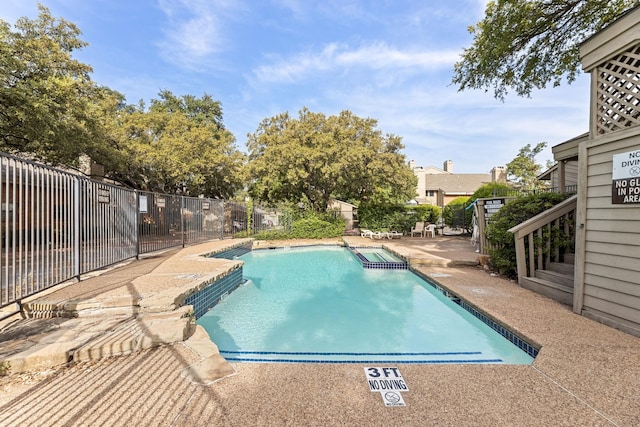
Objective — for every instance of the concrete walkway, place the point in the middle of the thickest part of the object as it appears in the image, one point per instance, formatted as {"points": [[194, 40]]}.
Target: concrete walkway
{"points": [[585, 374]]}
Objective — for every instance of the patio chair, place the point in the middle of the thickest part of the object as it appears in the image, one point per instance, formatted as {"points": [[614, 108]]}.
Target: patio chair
{"points": [[381, 235], [366, 233], [395, 235], [418, 229], [430, 230]]}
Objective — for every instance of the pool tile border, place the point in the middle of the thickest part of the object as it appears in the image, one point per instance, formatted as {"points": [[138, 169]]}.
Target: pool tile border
{"points": [[503, 330], [520, 342], [203, 300]]}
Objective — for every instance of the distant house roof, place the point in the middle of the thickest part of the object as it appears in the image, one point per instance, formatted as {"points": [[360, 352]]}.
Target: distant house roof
{"points": [[334, 202], [458, 183], [429, 170], [546, 175]]}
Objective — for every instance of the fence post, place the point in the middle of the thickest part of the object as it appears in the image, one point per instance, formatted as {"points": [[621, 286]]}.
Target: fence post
{"points": [[481, 227], [136, 208], [77, 267], [222, 228], [182, 218]]}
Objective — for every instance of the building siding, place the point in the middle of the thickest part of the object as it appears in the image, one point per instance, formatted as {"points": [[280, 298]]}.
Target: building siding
{"points": [[612, 240], [570, 173]]}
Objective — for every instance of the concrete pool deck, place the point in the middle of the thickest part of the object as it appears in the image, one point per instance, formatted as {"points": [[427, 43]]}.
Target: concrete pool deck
{"points": [[586, 374]]}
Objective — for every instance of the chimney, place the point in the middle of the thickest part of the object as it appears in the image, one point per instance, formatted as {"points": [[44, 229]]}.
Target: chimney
{"points": [[448, 166], [499, 174], [412, 164]]}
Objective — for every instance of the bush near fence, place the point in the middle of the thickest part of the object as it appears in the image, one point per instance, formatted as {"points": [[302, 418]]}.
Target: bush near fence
{"points": [[502, 249], [396, 217]]}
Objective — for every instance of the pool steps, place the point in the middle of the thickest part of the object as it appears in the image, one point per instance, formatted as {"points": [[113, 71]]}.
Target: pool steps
{"points": [[381, 265]]}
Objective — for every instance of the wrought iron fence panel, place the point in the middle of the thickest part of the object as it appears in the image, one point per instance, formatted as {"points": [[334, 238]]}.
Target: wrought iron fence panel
{"points": [[38, 231], [202, 218], [57, 225], [235, 218], [160, 222], [107, 225], [268, 219]]}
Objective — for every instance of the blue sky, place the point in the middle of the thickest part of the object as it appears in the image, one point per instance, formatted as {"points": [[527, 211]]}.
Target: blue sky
{"points": [[390, 60]]}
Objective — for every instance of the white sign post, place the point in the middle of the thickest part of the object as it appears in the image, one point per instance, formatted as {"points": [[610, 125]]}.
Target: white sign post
{"points": [[389, 382]]}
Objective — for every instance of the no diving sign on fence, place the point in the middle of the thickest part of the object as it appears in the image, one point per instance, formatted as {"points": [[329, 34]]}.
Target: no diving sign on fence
{"points": [[389, 382]]}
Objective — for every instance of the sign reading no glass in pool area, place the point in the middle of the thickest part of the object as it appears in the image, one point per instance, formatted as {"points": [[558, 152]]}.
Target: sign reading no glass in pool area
{"points": [[625, 188], [389, 382]]}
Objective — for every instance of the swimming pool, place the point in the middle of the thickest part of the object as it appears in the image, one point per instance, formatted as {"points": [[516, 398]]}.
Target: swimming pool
{"points": [[320, 305]]}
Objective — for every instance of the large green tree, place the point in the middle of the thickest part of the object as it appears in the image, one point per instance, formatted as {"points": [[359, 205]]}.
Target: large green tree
{"points": [[525, 44], [47, 99], [314, 158], [52, 111], [523, 170], [177, 145]]}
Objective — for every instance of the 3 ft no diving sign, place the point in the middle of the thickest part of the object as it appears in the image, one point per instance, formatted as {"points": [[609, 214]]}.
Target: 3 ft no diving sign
{"points": [[389, 382]]}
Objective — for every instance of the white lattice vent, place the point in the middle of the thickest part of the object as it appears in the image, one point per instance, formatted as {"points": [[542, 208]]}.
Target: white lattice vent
{"points": [[618, 92]]}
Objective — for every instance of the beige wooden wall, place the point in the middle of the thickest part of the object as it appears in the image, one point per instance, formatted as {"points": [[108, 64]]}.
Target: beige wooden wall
{"points": [[610, 238]]}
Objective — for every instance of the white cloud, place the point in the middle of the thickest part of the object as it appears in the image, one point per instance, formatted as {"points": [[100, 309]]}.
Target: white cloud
{"points": [[380, 55], [195, 30], [376, 56]]}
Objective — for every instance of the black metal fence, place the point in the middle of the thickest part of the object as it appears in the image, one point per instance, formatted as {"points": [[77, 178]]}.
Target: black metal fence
{"points": [[58, 225]]}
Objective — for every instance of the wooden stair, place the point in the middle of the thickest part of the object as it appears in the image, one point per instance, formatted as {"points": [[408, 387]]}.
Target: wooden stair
{"points": [[556, 282]]}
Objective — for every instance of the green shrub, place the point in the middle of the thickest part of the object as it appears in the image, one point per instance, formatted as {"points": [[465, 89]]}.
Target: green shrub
{"points": [[396, 217], [455, 215], [315, 228], [492, 189], [426, 213], [378, 217], [502, 243], [272, 235], [307, 228]]}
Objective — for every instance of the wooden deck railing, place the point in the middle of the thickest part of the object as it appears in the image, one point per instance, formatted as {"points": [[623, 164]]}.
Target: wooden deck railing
{"points": [[545, 238]]}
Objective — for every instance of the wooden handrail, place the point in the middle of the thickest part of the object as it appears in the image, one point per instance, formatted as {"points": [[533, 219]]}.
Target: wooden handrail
{"points": [[533, 229], [545, 217]]}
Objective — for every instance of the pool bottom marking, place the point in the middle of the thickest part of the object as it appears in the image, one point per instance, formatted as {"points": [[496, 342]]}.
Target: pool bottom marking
{"points": [[388, 382], [439, 353], [415, 362], [340, 357]]}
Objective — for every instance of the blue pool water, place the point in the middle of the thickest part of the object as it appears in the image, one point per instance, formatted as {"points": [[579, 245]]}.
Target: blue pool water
{"points": [[320, 305]]}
